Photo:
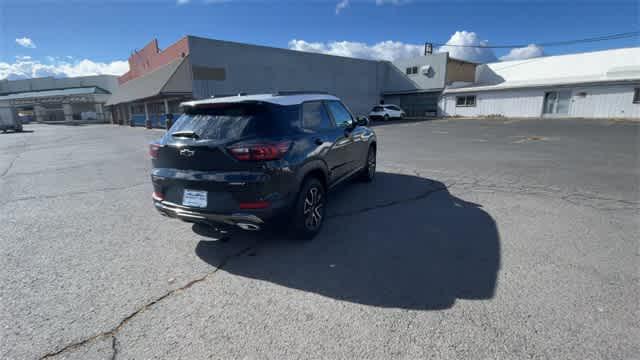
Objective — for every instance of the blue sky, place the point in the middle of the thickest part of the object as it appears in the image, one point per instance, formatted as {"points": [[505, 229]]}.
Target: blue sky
{"points": [[67, 32]]}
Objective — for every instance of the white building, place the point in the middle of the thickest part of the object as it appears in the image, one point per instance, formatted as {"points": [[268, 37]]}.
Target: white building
{"points": [[590, 85], [50, 99]]}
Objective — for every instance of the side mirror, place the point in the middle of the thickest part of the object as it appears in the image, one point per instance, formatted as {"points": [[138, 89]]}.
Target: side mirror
{"points": [[362, 121]]}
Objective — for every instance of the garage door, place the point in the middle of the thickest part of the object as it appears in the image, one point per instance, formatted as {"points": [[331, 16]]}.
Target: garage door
{"points": [[417, 104]]}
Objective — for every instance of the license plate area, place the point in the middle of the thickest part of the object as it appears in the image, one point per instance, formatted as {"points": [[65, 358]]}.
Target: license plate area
{"points": [[194, 198]]}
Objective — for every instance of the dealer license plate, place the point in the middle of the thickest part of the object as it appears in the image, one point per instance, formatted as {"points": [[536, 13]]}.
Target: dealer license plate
{"points": [[194, 198]]}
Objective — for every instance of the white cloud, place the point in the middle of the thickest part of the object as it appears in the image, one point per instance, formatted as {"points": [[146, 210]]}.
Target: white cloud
{"points": [[392, 50], [527, 52], [385, 50], [341, 5], [26, 42], [182, 2], [474, 54], [24, 68]]}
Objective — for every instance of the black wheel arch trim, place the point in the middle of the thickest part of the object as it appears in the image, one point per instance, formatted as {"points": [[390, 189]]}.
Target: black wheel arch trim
{"points": [[311, 166]]}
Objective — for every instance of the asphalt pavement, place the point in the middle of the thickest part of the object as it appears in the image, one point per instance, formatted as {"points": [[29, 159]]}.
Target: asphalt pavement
{"points": [[479, 239]]}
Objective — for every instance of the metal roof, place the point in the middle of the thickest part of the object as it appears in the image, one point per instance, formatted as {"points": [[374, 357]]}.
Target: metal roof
{"points": [[146, 86], [57, 92], [608, 66], [270, 98]]}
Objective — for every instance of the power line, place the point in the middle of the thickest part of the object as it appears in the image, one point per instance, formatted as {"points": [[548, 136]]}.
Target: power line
{"points": [[555, 43]]}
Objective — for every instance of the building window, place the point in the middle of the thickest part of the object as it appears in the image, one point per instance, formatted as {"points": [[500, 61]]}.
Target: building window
{"points": [[411, 70], [137, 109], [155, 108], [636, 96], [469, 100]]}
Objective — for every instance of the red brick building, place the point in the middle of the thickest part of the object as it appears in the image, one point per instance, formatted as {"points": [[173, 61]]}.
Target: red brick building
{"points": [[156, 83]]}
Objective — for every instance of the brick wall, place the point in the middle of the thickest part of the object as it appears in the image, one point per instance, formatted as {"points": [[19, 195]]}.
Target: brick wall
{"points": [[150, 58]]}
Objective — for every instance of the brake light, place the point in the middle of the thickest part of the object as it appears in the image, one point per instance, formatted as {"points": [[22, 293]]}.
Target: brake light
{"points": [[254, 205], [260, 152], [158, 196], [153, 150]]}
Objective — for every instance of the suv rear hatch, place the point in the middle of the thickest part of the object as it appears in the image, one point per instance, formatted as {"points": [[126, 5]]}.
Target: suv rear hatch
{"points": [[200, 152]]}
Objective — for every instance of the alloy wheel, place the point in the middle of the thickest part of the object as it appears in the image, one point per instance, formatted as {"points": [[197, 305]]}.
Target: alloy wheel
{"points": [[313, 208], [371, 163]]}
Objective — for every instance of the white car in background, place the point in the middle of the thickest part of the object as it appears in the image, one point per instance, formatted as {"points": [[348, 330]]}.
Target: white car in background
{"points": [[386, 112]]}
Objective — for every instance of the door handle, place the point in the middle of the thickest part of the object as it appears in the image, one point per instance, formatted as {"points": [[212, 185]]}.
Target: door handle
{"points": [[318, 141]]}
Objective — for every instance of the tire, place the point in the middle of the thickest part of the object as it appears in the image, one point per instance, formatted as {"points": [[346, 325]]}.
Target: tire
{"points": [[369, 171], [386, 117], [309, 210]]}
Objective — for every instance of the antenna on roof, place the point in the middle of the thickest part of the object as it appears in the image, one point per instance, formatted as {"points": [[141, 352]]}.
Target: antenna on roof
{"points": [[428, 48]]}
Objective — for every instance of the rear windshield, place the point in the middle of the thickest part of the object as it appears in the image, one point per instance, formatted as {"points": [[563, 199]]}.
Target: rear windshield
{"points": [[235, 121], [377, 108]]}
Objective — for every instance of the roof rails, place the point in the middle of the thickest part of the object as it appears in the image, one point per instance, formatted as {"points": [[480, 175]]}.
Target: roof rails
{"points": [[289, 92], [228, 95]]}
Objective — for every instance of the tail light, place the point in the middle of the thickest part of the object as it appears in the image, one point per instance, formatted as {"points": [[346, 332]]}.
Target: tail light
{"points": [[158, 196], [153, 150], [254, 205], [260, 152]]}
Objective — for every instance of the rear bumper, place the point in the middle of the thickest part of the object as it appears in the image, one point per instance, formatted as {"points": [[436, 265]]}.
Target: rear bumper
{"points": [[175, 211]]}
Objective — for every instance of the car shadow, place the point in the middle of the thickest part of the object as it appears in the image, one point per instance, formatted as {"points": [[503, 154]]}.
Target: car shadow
{"points": [[400, 242]]}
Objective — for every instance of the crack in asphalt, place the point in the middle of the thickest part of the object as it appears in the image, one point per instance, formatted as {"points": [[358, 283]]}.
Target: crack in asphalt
{"points": [[6, 171], [114, 347], [114, 331], [22, 150], [572, 197], [67, 168], [588, 199], [420, 196], [575, 198], [73, 193]]}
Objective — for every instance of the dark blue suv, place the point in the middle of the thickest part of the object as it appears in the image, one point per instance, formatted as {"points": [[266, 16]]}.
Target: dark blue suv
{"points": [[247, 161]]}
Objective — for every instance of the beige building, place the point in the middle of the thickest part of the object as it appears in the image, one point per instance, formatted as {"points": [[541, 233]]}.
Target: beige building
{"points": [[53, 100]]}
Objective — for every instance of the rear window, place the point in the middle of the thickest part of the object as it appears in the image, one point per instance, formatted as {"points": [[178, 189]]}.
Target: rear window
{"points": [[236, 121], [377, 108]]}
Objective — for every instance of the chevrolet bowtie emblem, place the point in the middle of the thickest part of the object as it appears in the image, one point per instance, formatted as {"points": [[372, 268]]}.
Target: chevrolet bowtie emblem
{"points": [[187, 152]]}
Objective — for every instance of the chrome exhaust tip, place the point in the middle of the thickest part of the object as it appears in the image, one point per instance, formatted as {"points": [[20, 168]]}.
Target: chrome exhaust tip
{"points": [[248, 227]]}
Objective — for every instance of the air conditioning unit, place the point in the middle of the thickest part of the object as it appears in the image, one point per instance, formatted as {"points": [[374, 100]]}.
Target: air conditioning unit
{"points": [[427, 71]]}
